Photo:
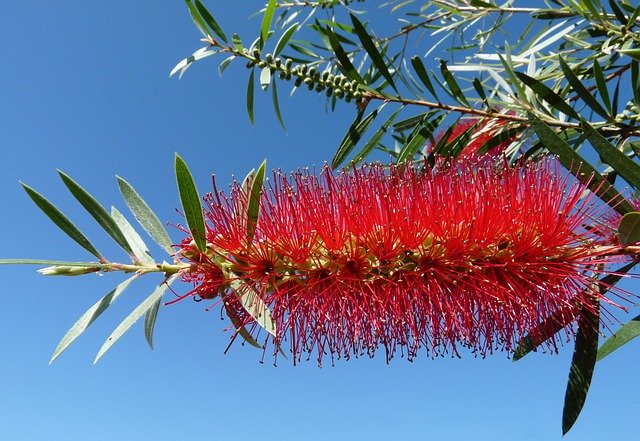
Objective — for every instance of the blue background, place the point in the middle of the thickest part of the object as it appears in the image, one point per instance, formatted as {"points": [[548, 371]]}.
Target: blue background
{"points": [[84, 87]]}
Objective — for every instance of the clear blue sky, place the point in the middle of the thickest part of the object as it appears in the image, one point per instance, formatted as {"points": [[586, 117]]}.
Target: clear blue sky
{"points": [[84, 87]]}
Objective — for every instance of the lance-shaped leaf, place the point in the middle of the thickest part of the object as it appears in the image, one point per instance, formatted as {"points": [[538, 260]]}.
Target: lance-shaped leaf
{"points": [[61, 221], [96, 211], [548, 95], [601, 83], [144, 215], [376, 138], [418, 66], [99, 265], [150, 318], [353, 135], [346, 65], [253, 207], [250, 94], [140, 251], [275, 102], [582, 365], [190, 200], [581, 90], [622, 164], [267, 18], [582, 170], [370, 47], [210, 21], [89, 317], [141, 309], [454, 88], [284, 39], [254, 305], [621, 337]]}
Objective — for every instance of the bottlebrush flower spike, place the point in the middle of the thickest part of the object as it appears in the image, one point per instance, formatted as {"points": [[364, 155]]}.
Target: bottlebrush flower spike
{"points": [[472, 255]]}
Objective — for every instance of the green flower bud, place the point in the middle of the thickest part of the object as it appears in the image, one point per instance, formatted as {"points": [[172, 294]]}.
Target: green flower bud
{"points": [[63, 270]]}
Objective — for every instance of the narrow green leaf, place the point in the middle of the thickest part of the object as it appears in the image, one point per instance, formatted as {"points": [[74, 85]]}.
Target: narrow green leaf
{"points": [[140, 251], [144, 215], [415, 142], [582, 366], [576, 165], [150, 318], [548, 95], [197, 18], [347, 67], [418, 66], [96, 211], [237, 43], [208, 18], [622, 164], [284, 39], [274, 100], [618, 13], [581, 90], [61, 221], [629, 229], [622, 336], [351, 138], [253, 207], [254, 305], [601, 83], [376, 138], [190, 200], [633, 53], [266, 22], [477, 85], [250, 94], [141, 309], [265, 78], [500, 137], [557, 321], [635, 80], [89, 317], [370, 47], [453, 84]]}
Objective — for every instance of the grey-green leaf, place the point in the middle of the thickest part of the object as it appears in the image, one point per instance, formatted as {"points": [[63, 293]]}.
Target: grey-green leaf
{"points": [[376, 138], [89, 317], [274, 100], [140, 251], [622, 336], [96, 210], [254, 305], [629, 229], [190, 200], [141, 309], [144, 215], [418, 66], [58, 218], [150, 318]]}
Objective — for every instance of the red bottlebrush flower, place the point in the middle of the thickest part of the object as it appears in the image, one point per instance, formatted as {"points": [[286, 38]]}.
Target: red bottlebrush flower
{"points": [[484, 129], [466, 255]]}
